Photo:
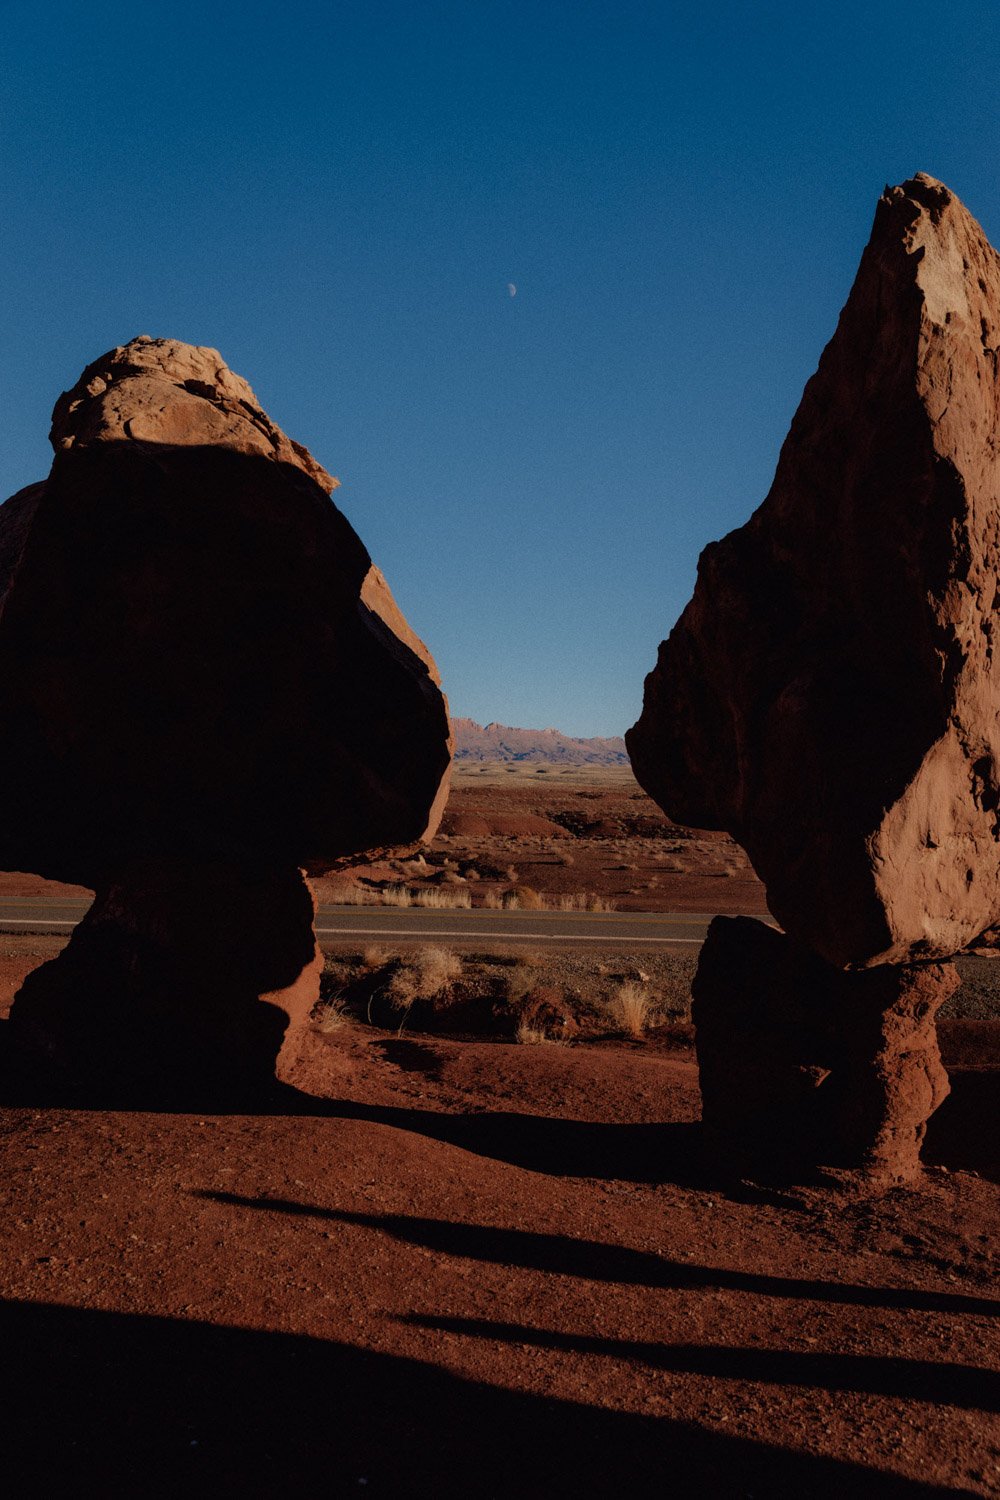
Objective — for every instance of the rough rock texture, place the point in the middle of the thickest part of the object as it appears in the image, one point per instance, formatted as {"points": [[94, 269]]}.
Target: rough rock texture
{"points": [[156, 994], [830, 695], [199, 667], [195, 650], [805, 1067]]}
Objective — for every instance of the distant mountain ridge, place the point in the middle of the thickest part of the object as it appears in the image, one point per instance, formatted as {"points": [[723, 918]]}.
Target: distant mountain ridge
{"points": [[502, 742]]}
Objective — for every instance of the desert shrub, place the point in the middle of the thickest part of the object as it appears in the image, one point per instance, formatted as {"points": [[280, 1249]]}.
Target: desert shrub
{"points": [[492, 900], [437, 968], [523, 898], [374, 957], [518, 984], [544, 1009], [630, 1007], [331, 1015], [531, 1036], [397, 895], [425, 976], [441, 897], [586, 901]]}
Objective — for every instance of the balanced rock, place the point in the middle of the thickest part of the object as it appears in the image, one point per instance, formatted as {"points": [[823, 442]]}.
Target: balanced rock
{"points": [[201, 671], [830, 695]]}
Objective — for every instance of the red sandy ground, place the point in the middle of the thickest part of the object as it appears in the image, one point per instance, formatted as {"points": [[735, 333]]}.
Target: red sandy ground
{"points": [[478, 1269], [481, 1269], [561, 835]]}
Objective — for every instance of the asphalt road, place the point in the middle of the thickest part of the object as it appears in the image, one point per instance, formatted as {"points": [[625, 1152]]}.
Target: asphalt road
{"points": [[416, 924]]}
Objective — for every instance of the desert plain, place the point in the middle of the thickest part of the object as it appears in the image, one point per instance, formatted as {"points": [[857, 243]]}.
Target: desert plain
{"points": [[464, 1263]]}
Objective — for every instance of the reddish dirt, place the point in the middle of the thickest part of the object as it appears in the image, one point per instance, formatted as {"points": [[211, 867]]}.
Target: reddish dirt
{"points": [[486, 1269], [477, 1268], [498, 825], [563, 835]]}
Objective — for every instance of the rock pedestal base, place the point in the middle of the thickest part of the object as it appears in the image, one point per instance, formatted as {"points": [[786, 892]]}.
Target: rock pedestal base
{"points": [[157, 995], [807, 1070]]}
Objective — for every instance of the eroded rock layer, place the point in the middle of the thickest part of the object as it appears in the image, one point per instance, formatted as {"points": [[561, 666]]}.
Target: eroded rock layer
{"points": [[206, 689], [805, 1068], [156, 995], [197, 658], [830, 695]]}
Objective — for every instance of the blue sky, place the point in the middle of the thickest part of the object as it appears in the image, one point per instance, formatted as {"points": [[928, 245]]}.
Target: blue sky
{"points": [[336, 196]]}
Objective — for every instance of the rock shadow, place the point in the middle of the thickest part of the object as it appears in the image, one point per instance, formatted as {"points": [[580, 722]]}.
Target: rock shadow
{"points": [[162, 1407], [936, 1382], [592, 1260]]}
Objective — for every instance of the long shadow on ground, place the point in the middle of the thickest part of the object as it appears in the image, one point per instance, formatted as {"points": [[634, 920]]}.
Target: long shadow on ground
{"points": [[593, 1260], [961, 1135], [934, 1381], [98, 1402]]}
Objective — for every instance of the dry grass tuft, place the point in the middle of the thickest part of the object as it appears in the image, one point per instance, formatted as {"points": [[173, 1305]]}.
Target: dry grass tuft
{"points": [[531, 1036], [437, 967], [428, 975], [332, 1016], [397, 895], [519, 982], [585, 901], [630, 1006], [441, 898], [523, 898]]}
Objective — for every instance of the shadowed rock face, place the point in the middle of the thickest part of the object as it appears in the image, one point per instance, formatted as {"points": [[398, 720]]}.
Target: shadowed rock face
{"points": [[201, 670], [807, 1069], [830, 696], [196, 654]]}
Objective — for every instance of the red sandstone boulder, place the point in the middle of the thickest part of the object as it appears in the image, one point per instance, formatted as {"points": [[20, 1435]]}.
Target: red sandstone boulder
{"points": [[206, 689], [830, 695], [807, 1070], [197, 658]]}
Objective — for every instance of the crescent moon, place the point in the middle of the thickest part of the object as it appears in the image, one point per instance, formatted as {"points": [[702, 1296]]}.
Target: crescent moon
{"points": [[512, 289]]}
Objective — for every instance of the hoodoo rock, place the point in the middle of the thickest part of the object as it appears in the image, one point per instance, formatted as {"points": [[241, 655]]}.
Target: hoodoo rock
{"points": [[206, 688], [830, 695], [830, 698]]}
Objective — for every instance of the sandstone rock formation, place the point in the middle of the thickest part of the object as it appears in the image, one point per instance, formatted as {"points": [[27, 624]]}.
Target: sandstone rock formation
{"points": [[830, 695], [830, 698], [201, 671], [806, 1067]]}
